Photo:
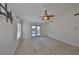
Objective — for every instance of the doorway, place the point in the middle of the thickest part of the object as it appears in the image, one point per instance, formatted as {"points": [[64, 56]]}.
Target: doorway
{"points": [[35, 30]]}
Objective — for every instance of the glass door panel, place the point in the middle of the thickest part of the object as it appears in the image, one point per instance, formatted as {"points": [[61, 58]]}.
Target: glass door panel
{"points": [[38, 30], [33, 30]]}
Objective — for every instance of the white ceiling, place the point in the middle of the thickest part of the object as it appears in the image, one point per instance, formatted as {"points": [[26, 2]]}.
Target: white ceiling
{"points": [[32, 11]]}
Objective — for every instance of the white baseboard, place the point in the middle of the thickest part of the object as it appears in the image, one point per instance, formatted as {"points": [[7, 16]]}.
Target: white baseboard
{"points": [[73, 44], [18, 41]]}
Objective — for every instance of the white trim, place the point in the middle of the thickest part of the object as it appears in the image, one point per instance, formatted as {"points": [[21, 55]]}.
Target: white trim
{"points": [[18, 41]]}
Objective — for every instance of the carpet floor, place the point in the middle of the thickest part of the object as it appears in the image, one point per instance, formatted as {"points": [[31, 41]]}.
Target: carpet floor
{"points": [[45, 46]]}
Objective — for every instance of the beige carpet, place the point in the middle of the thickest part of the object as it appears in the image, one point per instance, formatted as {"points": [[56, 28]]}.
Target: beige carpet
{"points": [[45, 46]]}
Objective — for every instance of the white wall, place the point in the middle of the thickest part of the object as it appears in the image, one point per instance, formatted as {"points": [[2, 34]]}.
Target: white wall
{"points": [[44, 29], [64, 28], [26, 30], [77, 22], [78, 31], [77, 18], [8, 42]]}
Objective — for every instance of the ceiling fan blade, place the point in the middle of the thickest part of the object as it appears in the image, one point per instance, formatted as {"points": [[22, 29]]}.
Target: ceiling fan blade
{"points": [[10, 12], [11, 18], [7, 13], [51, 15], [6, 6], [76, 14], [6, 19], [41, 16]]}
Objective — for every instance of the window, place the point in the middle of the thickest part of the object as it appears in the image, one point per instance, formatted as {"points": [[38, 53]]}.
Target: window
{"points": [[35, 30], [18, 30]]}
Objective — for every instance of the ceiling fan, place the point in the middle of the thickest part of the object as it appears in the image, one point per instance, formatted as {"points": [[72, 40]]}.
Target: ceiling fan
{"points": [[46, 16], [6, 13]]}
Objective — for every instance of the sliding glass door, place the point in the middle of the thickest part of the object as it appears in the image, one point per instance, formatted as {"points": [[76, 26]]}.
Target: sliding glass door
{"points": [[35, 30]]}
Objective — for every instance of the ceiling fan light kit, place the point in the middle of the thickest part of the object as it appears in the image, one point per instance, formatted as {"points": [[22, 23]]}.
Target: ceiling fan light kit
{"points": [[45, 18]]}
